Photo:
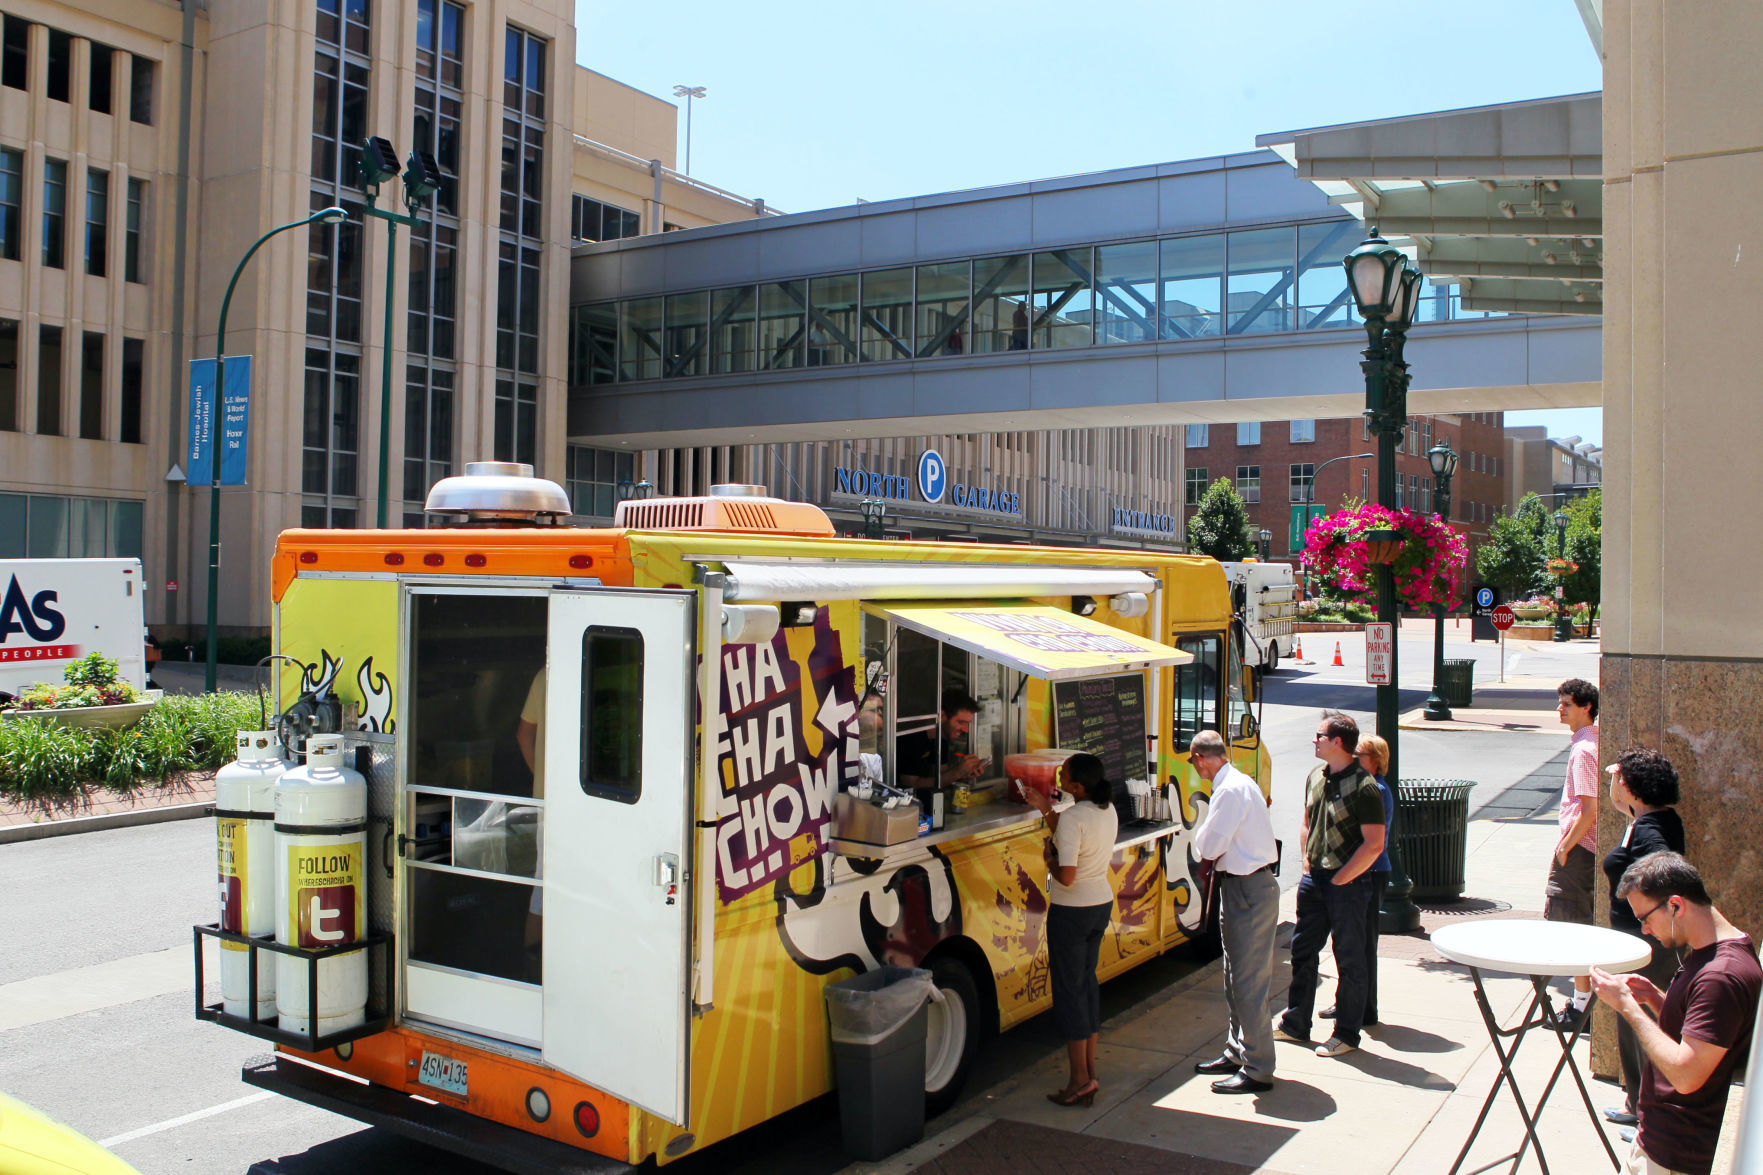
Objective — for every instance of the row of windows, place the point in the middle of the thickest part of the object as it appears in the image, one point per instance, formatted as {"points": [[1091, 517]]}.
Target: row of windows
{"points": [[1413, 490], [55, 220], [516, 407], [594, 220], [595, 477], [15, 69], [1277, 279], [50, 526], [98, 416], [1302, 432]]}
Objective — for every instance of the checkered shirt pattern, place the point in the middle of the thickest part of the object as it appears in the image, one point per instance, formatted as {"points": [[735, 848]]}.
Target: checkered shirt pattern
{"points": [[1341, 836]]}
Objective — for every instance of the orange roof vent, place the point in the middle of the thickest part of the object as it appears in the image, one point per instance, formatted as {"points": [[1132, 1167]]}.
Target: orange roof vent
{"points": [[744, 509]]}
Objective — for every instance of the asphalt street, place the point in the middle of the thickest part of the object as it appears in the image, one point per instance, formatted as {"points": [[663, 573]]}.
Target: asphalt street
{"points": [[96, 1023]]}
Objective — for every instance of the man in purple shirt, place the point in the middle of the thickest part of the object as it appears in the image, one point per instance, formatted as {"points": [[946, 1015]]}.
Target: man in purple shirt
{"points": [[1568, 896]]}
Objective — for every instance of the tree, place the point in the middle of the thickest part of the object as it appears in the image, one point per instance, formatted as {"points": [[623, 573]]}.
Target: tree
{"points": [[1220, 525], [1585, 546], [1517, 546]]}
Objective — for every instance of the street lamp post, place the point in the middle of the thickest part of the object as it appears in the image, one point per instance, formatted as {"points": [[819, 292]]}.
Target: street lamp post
{"points": [[1386, 289], [1444, 467], [688, 93], [422, 176], [323, 216], [1266, 544], [875, 513], [1563, 624]]}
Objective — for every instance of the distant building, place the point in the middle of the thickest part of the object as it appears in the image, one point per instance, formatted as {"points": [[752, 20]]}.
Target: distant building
{"points": [[1554, 468]]}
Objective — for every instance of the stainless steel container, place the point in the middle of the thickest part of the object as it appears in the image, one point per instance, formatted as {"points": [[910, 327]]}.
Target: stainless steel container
{"points": [[869, 823]]}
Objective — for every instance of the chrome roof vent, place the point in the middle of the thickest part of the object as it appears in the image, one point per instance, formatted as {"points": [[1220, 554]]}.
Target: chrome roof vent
{"points": [[498, 492]]}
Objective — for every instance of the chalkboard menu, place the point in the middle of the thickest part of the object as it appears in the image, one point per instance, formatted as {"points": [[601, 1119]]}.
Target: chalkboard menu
{"points": [[1106, 717]]}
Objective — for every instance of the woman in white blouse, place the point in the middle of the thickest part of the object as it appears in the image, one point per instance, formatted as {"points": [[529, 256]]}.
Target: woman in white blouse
{"points": [[1082, 900]]}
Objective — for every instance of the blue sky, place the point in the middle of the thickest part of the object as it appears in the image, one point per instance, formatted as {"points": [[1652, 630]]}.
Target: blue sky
{"points": [[813, 104]]}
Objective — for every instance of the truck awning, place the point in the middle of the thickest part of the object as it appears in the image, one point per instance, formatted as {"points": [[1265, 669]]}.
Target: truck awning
{"points": [[770, 582], [1035, 639]]}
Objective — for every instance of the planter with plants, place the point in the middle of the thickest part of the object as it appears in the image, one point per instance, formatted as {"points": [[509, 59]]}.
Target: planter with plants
{"points": [[91, 696], [1342, 549]]}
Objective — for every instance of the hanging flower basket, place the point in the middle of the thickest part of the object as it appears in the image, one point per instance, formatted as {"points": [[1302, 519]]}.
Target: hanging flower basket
{"points": [[1384, 546], [1425, 556], [1562, 567]]}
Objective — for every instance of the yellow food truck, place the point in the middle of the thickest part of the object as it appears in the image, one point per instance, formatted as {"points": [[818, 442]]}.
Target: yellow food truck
{"points": [[616, 835]]}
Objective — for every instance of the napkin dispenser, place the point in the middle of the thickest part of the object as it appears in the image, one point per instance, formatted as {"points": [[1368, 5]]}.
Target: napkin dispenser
{"points": [[869, 823]]}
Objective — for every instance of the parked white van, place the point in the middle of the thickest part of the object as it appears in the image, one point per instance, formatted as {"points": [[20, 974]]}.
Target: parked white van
{"points": [[53, 611]]}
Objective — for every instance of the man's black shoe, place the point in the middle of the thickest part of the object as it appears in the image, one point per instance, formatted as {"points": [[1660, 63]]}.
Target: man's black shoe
{"points": [[1327, 1013], [1574, 1019], [1241, 1083], [1217, 1065]]}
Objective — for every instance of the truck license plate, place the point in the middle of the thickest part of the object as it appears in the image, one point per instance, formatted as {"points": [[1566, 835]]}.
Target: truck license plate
{"points": [[442, 1073]]}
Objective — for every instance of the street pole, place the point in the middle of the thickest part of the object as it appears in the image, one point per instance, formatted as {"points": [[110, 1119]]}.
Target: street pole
{"points": [[215, 400], [1444, 468], [688, 93], [393, 220]]}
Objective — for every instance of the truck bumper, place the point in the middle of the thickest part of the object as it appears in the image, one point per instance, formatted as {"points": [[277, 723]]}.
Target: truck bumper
{"points": [[438, 1126]]}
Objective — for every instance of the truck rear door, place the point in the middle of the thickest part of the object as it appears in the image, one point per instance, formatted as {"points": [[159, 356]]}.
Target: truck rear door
{"points": [[618, 763]]}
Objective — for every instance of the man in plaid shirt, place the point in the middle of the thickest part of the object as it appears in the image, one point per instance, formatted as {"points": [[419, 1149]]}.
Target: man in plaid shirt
{"points": [[1343, 835]]}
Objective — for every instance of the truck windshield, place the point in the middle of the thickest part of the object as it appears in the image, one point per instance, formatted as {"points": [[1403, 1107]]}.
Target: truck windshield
{"points": [[1196, 688]]}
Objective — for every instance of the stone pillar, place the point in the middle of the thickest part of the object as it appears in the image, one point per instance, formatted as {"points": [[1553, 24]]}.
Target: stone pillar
{"points": [[1683, 423]]}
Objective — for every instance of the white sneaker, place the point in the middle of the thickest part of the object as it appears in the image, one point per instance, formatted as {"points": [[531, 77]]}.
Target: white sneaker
{"points": [[1334, 1046]]}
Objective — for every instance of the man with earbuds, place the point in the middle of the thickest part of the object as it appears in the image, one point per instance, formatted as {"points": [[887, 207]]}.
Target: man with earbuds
{"points": [[1703, 1034]]}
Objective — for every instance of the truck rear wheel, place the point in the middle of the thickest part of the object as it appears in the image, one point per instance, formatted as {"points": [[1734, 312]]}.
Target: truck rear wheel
{"points": [[953, 1034], [1272, 662]]}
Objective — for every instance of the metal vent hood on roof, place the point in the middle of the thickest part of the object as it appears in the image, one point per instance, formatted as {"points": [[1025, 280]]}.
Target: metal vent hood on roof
{"points": [[498, 491], [756, 582]]}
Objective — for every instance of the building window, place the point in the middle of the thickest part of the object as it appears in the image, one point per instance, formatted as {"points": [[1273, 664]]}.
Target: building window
{"points": [[1198, 435], [8, 375], [131, 239], [97, 219], [439, 57], [593, 220], [129, 419], [141, 90], [439, 99], [1249, 433], [523, 74], [330, 442], [1249, 483], [1196, 486], [517, 407], [433, 256], [92, 387], [523, 133], [11, 194], [49, 381], [333, 275], [60, 64], [1401, 500], [595, 476], [1303, 432], [428, 429], [339, 119], [517, 309], [98, 79], [54, 212], [15, 53], [1365, 485], [44, 526], [1426, 434], [1303, 477], [345, 23]]}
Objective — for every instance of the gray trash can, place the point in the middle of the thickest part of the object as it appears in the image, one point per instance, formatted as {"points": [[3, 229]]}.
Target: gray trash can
{"points": [[878, 1024], [1432, 832], [1457, 682]]}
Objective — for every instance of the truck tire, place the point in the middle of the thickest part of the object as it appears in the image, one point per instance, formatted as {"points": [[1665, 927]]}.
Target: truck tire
{"points": [[953, 1035], [1271, 665]]}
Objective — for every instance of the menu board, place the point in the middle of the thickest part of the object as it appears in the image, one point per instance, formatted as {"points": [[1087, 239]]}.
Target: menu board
{"points": [[1106, 717]]}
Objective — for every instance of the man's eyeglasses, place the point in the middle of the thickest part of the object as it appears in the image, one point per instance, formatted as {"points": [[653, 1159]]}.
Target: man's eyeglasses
{"points": [[1656, 908]]}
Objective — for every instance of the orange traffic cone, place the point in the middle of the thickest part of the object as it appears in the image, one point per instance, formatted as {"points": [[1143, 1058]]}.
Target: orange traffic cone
{"points": [[1337, 653], [1298, 651]]}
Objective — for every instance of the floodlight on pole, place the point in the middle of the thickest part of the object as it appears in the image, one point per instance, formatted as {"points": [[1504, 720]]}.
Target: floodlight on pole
{"points": [[688, 93]]}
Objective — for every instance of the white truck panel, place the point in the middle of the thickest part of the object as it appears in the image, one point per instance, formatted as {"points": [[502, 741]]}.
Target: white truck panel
{"points": [[53, 611]]}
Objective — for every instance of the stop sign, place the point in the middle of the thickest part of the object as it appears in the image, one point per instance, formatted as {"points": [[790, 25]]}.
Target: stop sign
{"points": [[1503, 617]]}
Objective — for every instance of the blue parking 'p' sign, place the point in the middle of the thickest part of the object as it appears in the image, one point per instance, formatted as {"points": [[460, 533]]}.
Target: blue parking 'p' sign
{"points": [[1484, 597], [933, 475]]}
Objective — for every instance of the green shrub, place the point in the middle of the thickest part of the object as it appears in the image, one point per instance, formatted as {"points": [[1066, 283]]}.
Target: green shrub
{"points": [[42, 760]]}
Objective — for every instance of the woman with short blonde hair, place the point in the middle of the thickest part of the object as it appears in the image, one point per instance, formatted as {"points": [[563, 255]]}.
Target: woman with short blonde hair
{"points": [[1373, 754]]}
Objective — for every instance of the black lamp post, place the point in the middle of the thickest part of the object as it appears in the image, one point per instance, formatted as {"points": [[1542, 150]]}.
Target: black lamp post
{"points": [[875, 513], [1444, 467], [1266, 544], [1386, 288], [1563, 624]]}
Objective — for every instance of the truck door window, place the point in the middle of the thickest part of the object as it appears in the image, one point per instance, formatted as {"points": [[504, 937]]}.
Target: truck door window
{"points": [[612, 713], [1196, 693]]}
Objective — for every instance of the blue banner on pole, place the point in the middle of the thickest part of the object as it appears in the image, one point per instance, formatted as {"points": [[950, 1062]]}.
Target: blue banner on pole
{"points": [[235, 423]]}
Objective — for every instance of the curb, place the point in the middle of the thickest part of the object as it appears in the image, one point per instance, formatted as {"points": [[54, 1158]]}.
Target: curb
{"points": [[44, 829]]}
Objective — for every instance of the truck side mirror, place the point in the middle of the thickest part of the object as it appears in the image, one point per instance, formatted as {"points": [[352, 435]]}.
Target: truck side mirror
{"points": [[1249, 683], [1246, 727]]}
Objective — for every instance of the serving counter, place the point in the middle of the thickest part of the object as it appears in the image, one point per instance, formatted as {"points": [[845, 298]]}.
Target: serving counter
{"points": [[998, 816]]}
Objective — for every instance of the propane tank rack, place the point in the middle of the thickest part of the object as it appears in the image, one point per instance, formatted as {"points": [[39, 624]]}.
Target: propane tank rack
{"points": [[378, 1018]]}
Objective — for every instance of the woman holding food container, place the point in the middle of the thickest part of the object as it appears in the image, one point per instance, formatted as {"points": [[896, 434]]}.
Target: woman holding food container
{"points": [[1081, 902]]}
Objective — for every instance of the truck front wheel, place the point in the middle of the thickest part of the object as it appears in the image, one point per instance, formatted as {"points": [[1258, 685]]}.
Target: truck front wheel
{"points": [[1272, 663], [953, 1034]]}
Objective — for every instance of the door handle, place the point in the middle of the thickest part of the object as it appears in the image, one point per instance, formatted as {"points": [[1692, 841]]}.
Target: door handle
{"points": [[667, 870]]}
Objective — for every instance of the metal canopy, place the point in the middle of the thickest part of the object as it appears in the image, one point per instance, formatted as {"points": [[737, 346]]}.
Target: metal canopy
{"points": [[1504, 201]]}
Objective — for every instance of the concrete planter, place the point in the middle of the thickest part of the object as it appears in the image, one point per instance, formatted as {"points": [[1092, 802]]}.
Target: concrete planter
{"points": [[1531, 632], [94, 717]]}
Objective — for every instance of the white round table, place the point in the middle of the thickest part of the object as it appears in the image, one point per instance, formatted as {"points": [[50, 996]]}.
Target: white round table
{"points": [[1540, 951], [1523, 947]]}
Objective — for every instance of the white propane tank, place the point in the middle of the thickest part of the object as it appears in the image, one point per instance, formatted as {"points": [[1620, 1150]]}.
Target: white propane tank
{"points": [[244, 814], [321, 887]]}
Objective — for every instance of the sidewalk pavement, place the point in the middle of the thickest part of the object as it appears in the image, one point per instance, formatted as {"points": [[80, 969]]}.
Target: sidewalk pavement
{"points": [[1403, 1104]]}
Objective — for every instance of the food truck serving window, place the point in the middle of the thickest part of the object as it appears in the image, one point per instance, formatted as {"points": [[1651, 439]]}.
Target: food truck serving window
{"points": [[612, 713], [1196, 688]]}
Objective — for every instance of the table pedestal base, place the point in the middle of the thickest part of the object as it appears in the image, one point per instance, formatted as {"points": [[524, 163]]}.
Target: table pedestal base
{"points": [[1539, 1003]]}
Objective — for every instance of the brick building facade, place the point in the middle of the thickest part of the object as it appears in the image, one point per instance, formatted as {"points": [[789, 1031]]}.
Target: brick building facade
{"points": [[1272, 464]]}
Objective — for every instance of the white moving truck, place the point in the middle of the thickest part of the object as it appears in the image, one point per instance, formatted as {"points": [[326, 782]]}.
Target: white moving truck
{"points": [[53, 611], [1265, 598]]}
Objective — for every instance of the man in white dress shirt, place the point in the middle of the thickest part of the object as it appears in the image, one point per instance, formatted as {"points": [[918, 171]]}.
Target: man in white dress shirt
{"points": [[1237, 837]]}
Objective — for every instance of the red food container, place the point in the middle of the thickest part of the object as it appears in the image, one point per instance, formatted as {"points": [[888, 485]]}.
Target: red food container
{"points": [[1036, 770]]}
